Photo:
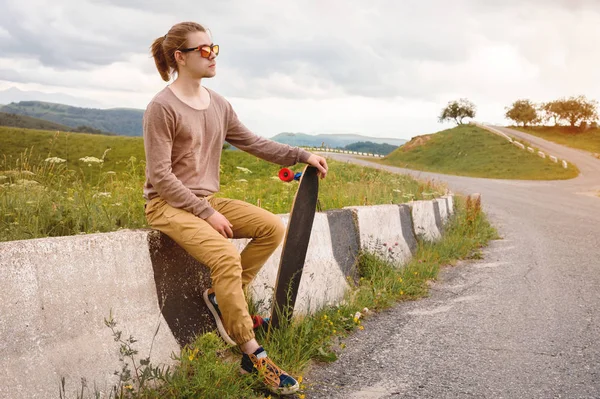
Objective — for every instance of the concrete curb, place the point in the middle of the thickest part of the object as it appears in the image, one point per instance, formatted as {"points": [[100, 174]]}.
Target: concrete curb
{"points": [[56, 292]]}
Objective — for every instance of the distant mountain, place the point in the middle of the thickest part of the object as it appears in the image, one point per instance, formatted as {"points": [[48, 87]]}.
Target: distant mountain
{"points": [[330, 140], [14, 95], [122, 121], [28, 122]]}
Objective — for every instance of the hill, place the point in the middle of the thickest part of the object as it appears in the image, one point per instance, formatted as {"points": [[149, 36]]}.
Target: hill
{"points": [[14, 95], [470, 151], [123, 121], [28, 122], [371, 148], [330, 140]]}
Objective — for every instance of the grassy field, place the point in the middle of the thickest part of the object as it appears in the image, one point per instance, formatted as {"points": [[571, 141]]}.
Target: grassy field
{"points": [[588, 140], [42, 196], [470, 151]]}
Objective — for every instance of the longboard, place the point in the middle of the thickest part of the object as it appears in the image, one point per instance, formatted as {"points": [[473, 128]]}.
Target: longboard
{"points": [[295, 244]]}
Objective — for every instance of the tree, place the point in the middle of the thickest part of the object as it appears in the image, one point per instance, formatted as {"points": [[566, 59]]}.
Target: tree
{"points": [[457, 111], [552, 110], [522, 111], [578, 109]]}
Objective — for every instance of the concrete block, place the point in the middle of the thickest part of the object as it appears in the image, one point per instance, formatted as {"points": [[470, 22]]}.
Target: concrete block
{"points": [[55, 295], [521, 146], [553, 158], [531, 150], [541, 154], [387, 231], [443, 209], [564, 164], [427, 221], [450, 203]]}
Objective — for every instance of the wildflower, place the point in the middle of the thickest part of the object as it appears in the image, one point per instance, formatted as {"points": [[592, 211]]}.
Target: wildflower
{"points": [[343, 346], [334, 331], [110, 172], [397, 191], [243, 180], [300, 380], [2, 177], [301, 396], [28, 173], [399, 279], [357, 316], [324, 317], [101, 195], [401, 292], [361, 328], [117, 204], [24, 182], [193, 354], [245, 170], [55, 160], [30, 202], [90, 160], [128, 387]]}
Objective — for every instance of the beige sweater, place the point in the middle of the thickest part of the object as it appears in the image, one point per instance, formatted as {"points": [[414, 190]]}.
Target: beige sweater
{"points": [[183, 149]]}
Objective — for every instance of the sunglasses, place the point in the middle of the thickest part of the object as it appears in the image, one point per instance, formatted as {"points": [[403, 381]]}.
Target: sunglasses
{"points": [[204, 50]]}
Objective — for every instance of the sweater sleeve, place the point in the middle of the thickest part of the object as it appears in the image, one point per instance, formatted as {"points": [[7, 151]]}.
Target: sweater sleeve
{"points": [[159, 132], [240, 137]]}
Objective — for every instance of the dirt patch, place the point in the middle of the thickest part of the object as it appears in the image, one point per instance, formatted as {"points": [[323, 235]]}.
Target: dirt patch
{"points": [[416, 142]]}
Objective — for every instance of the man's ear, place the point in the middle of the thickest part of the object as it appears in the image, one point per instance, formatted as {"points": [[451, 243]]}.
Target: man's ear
{"points": [[179, 58]]}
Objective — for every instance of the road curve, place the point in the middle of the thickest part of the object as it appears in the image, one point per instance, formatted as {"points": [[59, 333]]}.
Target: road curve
{"points": [[524, 322]]}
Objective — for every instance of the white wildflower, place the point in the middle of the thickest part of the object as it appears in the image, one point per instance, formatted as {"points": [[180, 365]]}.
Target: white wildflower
{"points": [[55, 160], [397, 191], [90, 160], [110, 172], [24, 182], [28, 173], [357, 316], [243, 180], [2, 177], [275, 178], [116, 204], [101, 195], [30, 202], [245, 170]]}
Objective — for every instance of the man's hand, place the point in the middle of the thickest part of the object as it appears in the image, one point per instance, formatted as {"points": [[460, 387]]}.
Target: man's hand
{"points": [[320, 163], [221, 224]]}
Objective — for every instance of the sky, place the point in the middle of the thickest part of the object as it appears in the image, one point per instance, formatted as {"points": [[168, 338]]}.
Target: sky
{"points": [[382, 68]]}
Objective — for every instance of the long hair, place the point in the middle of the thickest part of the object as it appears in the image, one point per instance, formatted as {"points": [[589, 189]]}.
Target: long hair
{"points": [[163, 49]]}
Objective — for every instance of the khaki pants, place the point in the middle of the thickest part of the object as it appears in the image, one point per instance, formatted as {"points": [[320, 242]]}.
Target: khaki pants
{"points": [[230, 271]]}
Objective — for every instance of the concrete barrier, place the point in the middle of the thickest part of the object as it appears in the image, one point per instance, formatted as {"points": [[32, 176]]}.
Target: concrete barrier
{"points": [[521, 146], [564, 164], [427, 221], [531, 150], [387, 231], [541, 154], [553, 158], [56, 292]]}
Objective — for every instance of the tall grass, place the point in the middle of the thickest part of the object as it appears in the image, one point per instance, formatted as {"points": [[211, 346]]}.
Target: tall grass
{"points": [[44, 197]]}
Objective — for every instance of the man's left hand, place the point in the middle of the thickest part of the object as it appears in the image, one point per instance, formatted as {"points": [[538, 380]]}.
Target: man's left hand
{"points": [[320, 163]]}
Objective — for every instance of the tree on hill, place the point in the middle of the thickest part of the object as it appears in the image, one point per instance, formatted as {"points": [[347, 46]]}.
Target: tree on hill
{"points": [[578, 109], [523, 111], [552, 110], [457, 111]]}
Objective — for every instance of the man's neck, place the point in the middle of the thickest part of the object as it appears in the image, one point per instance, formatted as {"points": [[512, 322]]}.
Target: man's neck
{"points": [[188, 87]]}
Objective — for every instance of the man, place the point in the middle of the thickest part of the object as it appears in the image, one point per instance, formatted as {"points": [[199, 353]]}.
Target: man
{"points": [[185, 126]]}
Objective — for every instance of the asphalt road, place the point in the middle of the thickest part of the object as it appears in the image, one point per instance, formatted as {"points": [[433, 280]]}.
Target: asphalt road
{"points": [[524, 322]]}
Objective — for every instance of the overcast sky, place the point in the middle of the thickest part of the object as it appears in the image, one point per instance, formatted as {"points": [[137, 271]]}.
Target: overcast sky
{"points": [[379, 68]]}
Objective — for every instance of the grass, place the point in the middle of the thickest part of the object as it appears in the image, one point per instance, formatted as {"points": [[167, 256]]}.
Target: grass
{"points": [[471, 151], [208, 369], [42, 198], [588, 140]]}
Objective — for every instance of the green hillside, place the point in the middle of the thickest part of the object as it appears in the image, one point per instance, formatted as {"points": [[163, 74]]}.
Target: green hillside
{"points": [[28, 122], [123, 121], [470, 151], [588, 140], [40, 144]]}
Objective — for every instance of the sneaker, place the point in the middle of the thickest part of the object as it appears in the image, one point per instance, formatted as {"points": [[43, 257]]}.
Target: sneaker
{"points": [[275, 379], [211, 302]]}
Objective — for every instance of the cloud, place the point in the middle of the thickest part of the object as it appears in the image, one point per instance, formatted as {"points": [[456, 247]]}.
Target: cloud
{"points": [[410, 54]]}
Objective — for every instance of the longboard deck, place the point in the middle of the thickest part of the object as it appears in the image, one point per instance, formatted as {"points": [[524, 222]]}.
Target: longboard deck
{"points": [[295, 245]]}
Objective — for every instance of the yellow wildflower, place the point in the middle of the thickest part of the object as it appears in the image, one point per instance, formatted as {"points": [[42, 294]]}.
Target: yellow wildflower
{"points": [[361, 328]]}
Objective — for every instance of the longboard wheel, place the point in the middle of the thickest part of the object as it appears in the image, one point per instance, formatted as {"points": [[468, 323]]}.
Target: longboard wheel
{"points": [[286, 175]]}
